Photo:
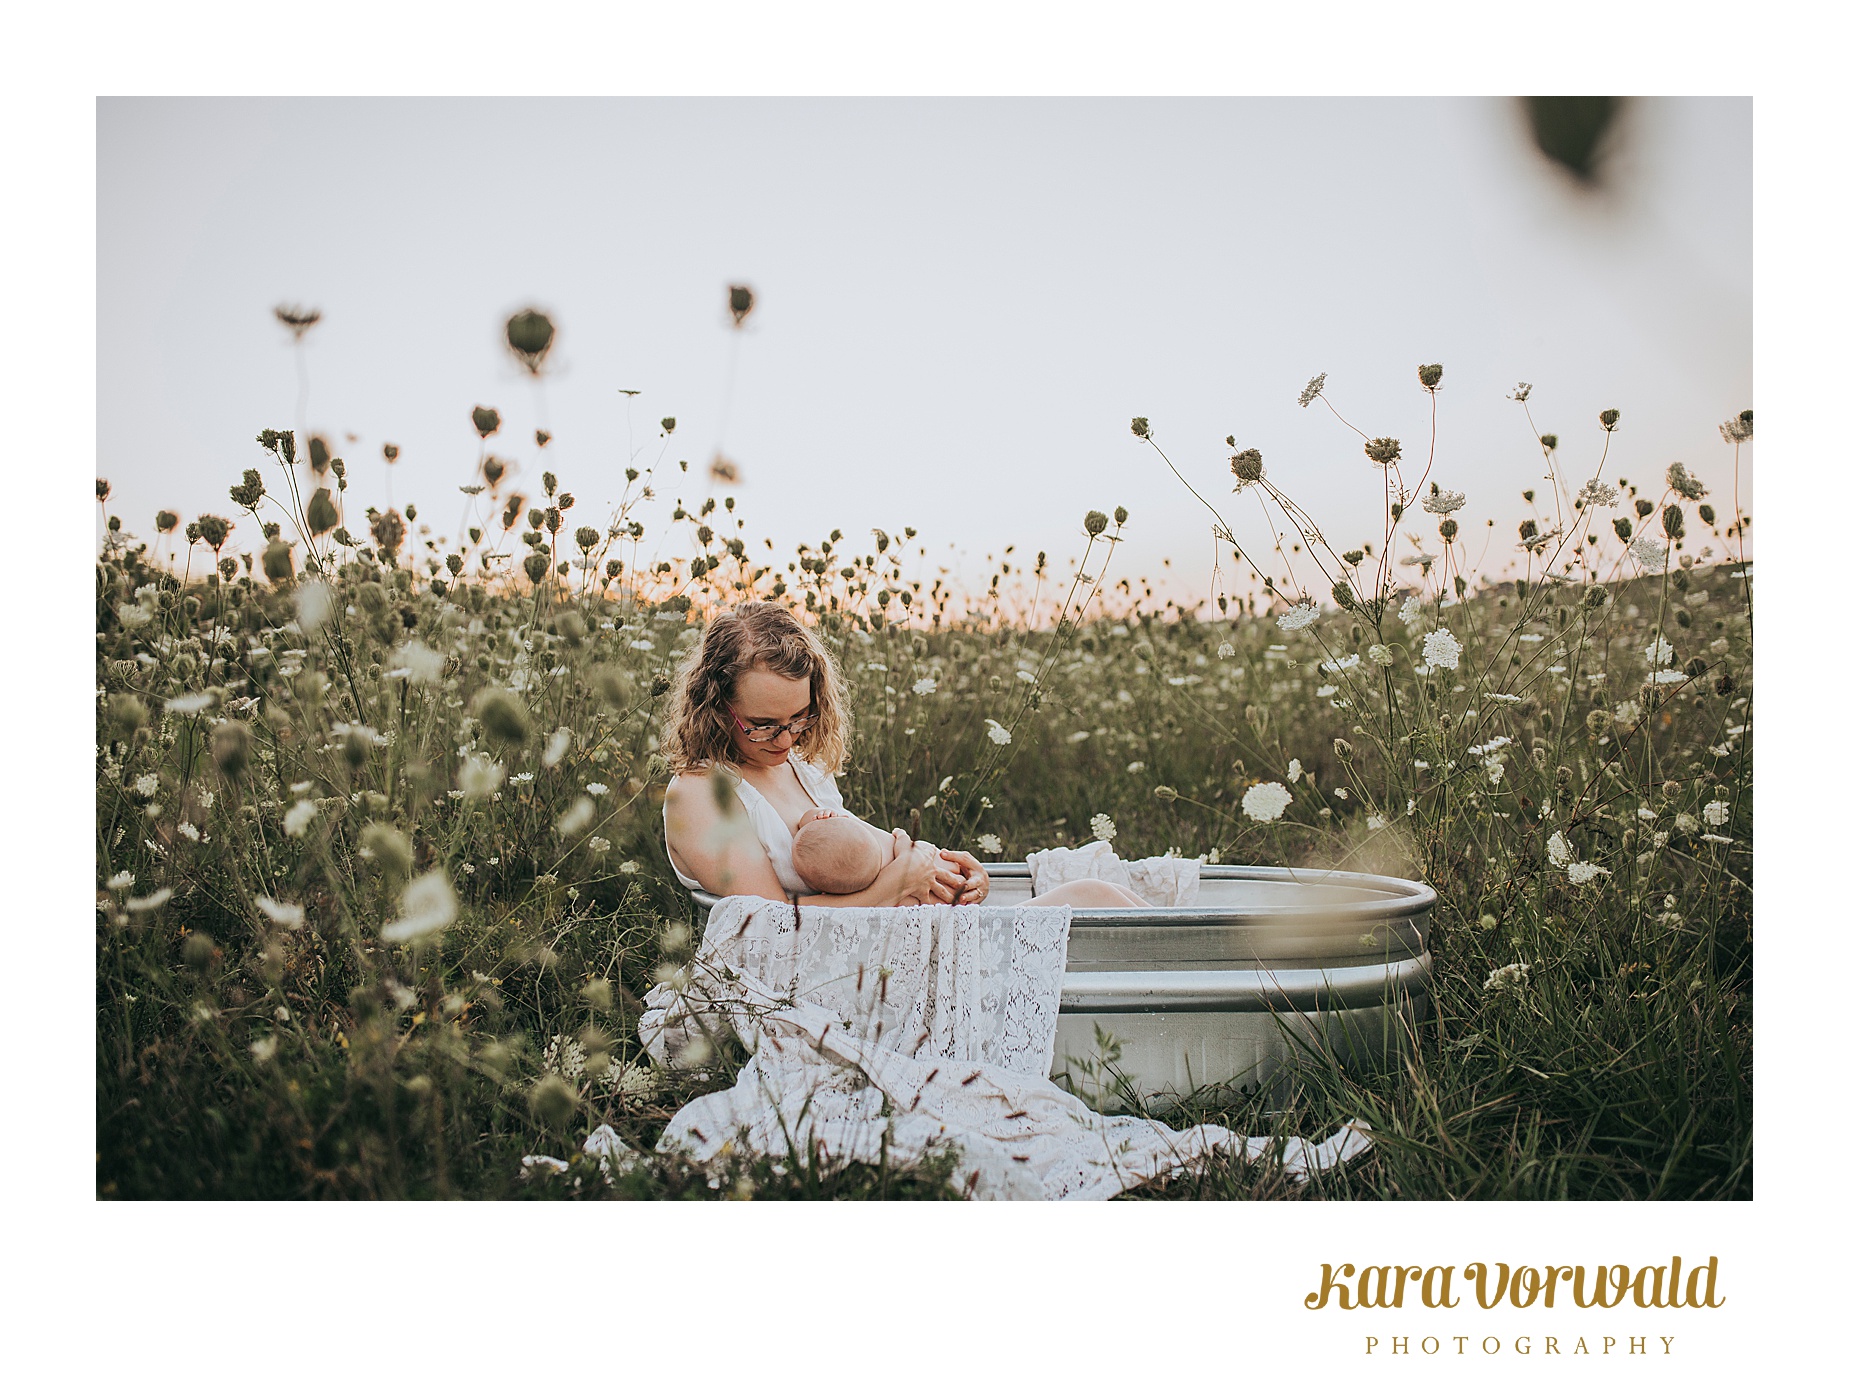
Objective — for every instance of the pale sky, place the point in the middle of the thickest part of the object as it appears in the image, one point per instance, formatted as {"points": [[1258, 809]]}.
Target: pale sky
{"points": [[962, 303]]}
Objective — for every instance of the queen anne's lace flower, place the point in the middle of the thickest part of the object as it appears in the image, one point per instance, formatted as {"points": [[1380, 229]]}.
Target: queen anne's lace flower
{"points": [[1714, 813], [999, 734], [923, 687], [1559, 850], [989, 844], [1265, 802], [296, 821], [1684, 482], [1311, 390], [1651, 554], [1441, 649], [1443, 503], [1299, 616], [1581, 872], [1102, 827], [1597, 494], [1507, 977]]}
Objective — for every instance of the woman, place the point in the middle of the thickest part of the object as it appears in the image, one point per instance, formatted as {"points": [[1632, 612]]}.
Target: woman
{"points": [[759, 721]]}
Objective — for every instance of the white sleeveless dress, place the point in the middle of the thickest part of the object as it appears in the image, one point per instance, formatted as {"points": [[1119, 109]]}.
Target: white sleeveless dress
{"points": [[772, 830]]}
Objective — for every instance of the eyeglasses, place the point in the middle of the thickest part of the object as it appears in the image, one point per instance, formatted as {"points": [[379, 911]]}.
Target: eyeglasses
{"points": [[765, 735]]}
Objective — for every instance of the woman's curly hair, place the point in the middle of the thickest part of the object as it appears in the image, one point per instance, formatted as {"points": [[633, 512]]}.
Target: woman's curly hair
{"points": [[753, 635]]}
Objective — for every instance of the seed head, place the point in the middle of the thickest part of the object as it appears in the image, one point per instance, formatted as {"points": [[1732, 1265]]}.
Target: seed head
{"points": [[1447, 530], [1383, 451], [214, 531], [1684, 483], [667, 425], [1311, 391], [1429, 374], [166, 521], [502, 715], [1550, 442], [299, 319], [530, 335], [1609, 418], [1120, 515], [1139, 427], [740, 299], [1248, 466], [278, 561], [1343, 750], [1344, 596], [487, 421]]}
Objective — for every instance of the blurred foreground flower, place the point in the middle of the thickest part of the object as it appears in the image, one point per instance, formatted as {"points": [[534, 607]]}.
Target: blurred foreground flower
{"points": [[427, 905]]}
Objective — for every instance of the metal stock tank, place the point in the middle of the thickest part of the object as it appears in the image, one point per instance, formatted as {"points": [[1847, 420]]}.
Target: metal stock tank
{"points": [[1270, 967]]}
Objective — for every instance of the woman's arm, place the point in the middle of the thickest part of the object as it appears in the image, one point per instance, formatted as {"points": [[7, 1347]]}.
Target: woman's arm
{"points": [[973, 880], [718, 847]]}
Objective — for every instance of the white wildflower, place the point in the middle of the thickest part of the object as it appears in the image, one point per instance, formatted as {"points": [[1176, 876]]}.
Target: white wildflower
{"points": [[999, 734], [1379, 655], [642, 643], [1341, 666], [1075, 737], [1295, 771], [1441, 649], [282, 914], [1409, 610], [1265, 802], [1341, 793], [147, 903], [1597, 494], [1651, 554], [1715, 813], [1375, 822], [418, 663], [597, 790], [629, 867], [1646, 815], [1581, 872], [121, 880], [314, 604], [147, 785], [989, 844], [133, 616], [190, 704], [925, 686], [1507, 977], [1559, 850], [427, 905], [1299, 616], [579, 816], [1717, 838], [187, 830], [1663, 678], [597, 845], [565, 1056], [1227, 650], [1627, 713], [1443, 503], [300, 815], [479, 777], [1659, 653], [556, 746], [1102, 827], [1311, 390]]}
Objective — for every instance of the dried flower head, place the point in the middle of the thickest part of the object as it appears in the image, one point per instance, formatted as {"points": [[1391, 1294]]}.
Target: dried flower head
{"points": [[1681, 481], [299, 319], [1429, 375], [1609, 418], [529, 336], [1384, 450]]}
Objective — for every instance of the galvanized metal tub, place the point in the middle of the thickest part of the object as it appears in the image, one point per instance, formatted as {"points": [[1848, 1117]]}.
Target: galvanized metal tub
{"points": [[1270, 967]]}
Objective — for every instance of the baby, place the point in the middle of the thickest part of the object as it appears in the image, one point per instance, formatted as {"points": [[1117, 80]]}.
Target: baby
{"points": [[836, 853]]}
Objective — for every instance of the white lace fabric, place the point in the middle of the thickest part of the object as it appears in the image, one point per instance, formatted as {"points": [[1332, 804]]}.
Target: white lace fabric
{"points": [[886, 1034]]}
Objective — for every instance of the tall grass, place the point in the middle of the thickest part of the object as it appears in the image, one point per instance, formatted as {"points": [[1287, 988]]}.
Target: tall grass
{"points": [[381, 880]]}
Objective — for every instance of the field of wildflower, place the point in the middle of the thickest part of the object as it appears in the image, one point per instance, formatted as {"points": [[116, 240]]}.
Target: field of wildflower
{"points": [[380, 874]]}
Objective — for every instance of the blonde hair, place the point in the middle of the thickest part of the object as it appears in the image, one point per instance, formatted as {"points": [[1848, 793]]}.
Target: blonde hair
{"points": [[753, 635]]}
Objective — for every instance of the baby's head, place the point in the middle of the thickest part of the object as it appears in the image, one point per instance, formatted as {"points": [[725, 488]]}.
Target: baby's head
{"points": [[835, 853]]}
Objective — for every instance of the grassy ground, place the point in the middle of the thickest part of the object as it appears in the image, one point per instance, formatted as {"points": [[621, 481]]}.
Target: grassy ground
{"points": [[380, 878]]}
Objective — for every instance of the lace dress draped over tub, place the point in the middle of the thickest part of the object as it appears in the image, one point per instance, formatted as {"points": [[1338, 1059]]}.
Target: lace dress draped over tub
{"points": [[895, 1032]]}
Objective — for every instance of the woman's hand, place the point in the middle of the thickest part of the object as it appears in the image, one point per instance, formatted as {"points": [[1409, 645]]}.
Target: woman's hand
{"points": [[922, 876], [972, 879]]}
